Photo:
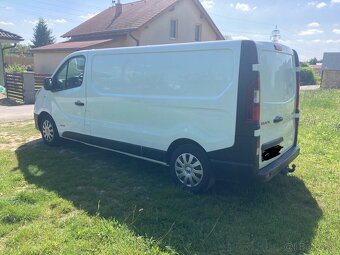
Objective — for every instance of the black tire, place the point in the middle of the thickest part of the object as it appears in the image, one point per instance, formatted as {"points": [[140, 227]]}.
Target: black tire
{"points": [[190, 168], [49, 131]]}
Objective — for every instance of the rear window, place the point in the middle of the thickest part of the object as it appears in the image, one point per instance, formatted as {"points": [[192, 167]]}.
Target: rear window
{"points": [[278, 78]]}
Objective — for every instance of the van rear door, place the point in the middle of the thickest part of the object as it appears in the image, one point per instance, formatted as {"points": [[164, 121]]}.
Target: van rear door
{"points": [[278, 100]]}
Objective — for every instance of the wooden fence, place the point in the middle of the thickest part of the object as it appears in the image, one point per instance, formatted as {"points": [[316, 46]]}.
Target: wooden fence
{"points": [[39, 80], [15, 86], [22, 87]]}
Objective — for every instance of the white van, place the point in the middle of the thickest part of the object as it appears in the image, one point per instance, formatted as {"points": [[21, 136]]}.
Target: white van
{"points": [[204, 109]]}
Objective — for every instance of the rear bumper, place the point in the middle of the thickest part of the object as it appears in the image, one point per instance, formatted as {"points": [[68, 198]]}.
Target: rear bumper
{"points": [[276, 167], [225, 170]]}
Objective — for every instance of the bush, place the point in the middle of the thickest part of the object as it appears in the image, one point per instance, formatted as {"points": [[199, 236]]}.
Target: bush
{"points": [[307, 75], [16, 68]]}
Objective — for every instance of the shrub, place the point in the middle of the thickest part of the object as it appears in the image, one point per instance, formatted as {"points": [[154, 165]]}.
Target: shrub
{"points": [[16, 68], [307, 76]]}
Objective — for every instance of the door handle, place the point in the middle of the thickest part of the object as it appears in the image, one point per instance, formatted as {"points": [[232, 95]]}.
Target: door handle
{"points": [[278, 119], [78, 103]]}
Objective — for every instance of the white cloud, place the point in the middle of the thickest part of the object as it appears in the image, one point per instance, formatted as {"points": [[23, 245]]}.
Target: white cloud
{"points": [[300, 40], [32, 22], [243, 7], [335, 1], [317, 4], [60, 21], [332, 41], [316, 40], [312, 3], [8, 8], [6, 23], [208, 4], [336, 31], [321, 5], [314, 24], [88, 16], [311, 31]]}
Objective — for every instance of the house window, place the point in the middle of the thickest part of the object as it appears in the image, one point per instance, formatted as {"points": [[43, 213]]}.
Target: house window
{"points": [[198, 33], [173, 29]]}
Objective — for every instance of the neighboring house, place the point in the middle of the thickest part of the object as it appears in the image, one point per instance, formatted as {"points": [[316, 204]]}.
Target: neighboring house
{"points": [[145, 22], [6, 38], [331, 70]]}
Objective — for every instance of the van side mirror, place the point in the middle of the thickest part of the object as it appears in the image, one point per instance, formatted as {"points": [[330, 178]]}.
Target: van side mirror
{"points": [[48, 84]]}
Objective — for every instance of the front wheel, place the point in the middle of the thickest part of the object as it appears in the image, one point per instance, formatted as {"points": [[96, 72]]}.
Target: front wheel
{"points": [[49, 131], [190, 168]]}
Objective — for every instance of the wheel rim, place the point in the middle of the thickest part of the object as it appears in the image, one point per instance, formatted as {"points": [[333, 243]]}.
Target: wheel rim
{"points": [[47, 130], [189, 170]]}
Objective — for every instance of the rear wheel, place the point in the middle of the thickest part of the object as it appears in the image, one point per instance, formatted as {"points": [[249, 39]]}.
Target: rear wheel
{"points": [[190, 168], [49, 131]]}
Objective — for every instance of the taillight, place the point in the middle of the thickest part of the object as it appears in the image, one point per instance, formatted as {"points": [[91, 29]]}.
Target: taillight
{"points": [[253, 103], [256, 103]]}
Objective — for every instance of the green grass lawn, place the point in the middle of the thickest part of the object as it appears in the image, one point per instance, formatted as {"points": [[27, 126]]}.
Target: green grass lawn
{"points": [[75, 199]]}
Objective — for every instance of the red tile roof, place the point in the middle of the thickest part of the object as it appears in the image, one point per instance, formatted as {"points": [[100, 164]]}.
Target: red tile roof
{"points": [[74, 46], [8, 36], [133, 16]]}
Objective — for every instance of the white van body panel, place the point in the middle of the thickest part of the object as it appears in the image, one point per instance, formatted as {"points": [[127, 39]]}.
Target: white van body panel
{"points": [[156, 113]]}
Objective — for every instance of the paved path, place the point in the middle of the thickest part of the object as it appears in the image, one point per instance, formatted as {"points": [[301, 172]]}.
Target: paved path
{"points": [[310, 87], [16, 113], [9, 112]]}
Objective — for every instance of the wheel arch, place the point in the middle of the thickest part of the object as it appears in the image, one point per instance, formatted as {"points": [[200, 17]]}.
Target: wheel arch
{"points": [[177, 143], [40, 117]]}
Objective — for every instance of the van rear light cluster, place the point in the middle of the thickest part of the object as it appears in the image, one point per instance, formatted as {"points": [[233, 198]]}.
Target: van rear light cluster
{"points": [[254, 103], [256, 106]]}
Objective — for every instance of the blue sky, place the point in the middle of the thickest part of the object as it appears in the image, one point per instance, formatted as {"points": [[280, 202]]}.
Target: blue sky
{"points": [[310, 27]]}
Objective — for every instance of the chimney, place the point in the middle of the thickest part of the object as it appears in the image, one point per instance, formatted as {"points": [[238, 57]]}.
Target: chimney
{"points": [[119, 9]]}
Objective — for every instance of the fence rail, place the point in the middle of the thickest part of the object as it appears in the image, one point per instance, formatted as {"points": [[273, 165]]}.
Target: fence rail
{"points": [[15, 87], [22, 87], [39, 80]]}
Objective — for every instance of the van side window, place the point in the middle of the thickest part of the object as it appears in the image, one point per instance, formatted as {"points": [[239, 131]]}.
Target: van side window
{"points": [[71, 74]]}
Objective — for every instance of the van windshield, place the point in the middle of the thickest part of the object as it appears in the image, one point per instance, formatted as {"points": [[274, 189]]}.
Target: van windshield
{"points": [[278, 81]]}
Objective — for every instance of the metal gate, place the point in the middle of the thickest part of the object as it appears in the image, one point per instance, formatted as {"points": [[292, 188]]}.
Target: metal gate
{"points": [[14, 87]]}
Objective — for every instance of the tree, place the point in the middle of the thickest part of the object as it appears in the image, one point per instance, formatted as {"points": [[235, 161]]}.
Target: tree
{"points": [[313, 61], [42, 35], [307, 75]]}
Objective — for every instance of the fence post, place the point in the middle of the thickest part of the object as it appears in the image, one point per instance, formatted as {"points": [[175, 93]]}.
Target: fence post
{"points": [[28, 86]]}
